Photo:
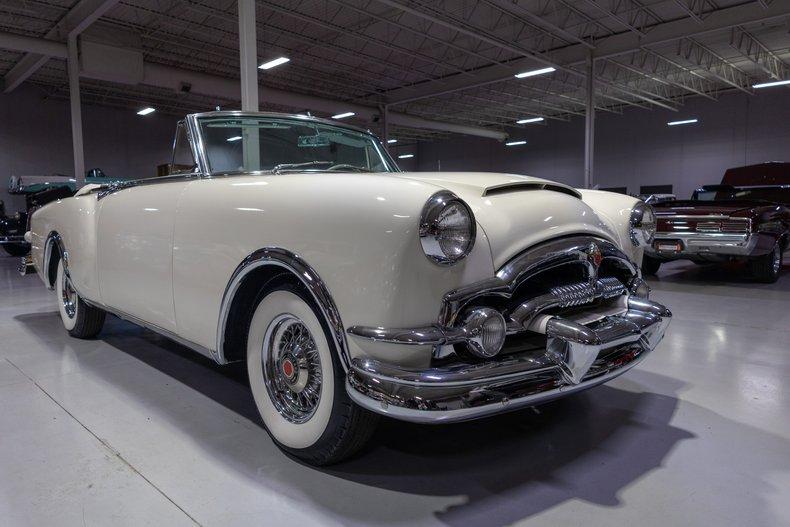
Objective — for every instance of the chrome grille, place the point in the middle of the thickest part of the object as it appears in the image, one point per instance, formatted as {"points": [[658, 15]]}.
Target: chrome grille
{"points": [[586, 292]]}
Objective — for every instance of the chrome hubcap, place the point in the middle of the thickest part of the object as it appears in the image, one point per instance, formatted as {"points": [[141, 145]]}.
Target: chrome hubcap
{"points": [[68, 296], [777, 261], [291, 368]]}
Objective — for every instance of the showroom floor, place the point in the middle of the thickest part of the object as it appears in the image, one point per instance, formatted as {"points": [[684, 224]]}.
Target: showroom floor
{"points": [[132, 429]]}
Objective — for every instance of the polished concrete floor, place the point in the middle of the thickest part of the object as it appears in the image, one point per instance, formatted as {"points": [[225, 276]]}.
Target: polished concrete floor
{"points": [[132, 429]]}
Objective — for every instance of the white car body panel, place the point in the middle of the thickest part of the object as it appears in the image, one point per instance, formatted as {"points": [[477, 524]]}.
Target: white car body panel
{"points": [[135, 251], [164, 252]]}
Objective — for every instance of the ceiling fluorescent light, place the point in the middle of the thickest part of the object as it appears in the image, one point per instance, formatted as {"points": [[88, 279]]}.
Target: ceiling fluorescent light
{"points": [[534, 72], [391, 141], [515, 143], [234, 138], [687, 121], [530, 120], [769, 84], [273, 63], [146, 111], [343, 115], [405, 156]]}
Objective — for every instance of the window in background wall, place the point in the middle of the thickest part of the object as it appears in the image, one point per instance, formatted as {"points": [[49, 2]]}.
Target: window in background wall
{"points": [[619, 190], [655, 189]]}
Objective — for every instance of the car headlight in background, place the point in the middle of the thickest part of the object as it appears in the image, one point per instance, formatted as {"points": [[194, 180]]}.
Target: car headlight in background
{"points": [[447, 228], [643, 224]]}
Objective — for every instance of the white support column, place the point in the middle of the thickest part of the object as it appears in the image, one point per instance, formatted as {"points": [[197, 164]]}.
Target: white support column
{"points": [[589, 124], [248, 56], [385, 125], [76, 111], [248, 60]]}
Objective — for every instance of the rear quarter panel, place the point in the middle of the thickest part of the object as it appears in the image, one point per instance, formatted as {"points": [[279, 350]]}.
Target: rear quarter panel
{"points": [[74, 219]]}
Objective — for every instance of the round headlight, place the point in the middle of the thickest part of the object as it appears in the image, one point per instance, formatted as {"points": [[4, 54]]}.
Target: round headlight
{"points": [[643, 224], [447, 228]]}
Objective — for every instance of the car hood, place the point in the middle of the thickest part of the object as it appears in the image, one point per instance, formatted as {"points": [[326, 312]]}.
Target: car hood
{"points": [[516, 212]]}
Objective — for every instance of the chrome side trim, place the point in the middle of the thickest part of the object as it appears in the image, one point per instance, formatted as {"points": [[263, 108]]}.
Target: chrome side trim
{"points": [[279, 257], [152, 327]]}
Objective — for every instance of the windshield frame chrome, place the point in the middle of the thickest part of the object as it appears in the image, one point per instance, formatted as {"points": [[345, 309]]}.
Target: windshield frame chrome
{"points": [[199, 146]]}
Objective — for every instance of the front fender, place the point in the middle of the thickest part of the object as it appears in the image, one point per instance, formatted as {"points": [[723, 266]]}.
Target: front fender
{"points": [[359, 232], [614, 209]]}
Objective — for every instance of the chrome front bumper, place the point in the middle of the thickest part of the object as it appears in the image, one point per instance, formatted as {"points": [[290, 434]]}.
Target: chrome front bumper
{"points": [[576, 357], [562, 337], [701, 243]]}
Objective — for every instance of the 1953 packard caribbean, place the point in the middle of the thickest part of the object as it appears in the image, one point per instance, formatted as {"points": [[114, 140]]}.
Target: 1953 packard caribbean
{"points": [[353, 289]]}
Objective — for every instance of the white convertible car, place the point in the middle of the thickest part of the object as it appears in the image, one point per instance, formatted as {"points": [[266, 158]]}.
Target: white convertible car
{"points": [[350, 288]]}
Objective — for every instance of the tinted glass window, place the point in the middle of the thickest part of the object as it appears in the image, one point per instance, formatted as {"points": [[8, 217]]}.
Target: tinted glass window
{"points": [[183, 161]]}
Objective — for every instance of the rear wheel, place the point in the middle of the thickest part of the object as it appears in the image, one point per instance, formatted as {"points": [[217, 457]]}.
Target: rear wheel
{"points": [[16, 249], [298, 381], [766, 268], [81, 320], [650, 265]]}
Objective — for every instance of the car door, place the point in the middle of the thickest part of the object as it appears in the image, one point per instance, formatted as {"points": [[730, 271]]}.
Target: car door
{"points": [[135, 242]]}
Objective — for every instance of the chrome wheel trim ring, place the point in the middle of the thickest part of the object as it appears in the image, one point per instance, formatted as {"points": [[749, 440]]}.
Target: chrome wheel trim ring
{"points": [[68, 296], [291, 368]]}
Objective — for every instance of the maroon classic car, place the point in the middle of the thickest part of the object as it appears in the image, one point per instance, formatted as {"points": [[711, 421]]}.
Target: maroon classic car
{"points": [[746, 218]]}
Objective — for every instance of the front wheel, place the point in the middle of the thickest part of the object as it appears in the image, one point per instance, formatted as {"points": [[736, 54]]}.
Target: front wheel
{"points": [[80, 319], [766, 268], [298, 381], [650, 265]]}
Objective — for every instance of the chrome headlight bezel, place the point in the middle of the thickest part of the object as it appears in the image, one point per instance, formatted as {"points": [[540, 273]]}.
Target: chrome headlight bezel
{"points": [[642, 225], [431, 229]]}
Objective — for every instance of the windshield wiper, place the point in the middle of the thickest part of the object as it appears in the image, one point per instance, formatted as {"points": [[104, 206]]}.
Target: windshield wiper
{"points": [[345, 166], [289, 166], [340, 166]]}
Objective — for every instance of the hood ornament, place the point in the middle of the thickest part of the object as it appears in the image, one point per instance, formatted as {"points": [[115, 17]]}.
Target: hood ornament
{"points": [[594, 256]]}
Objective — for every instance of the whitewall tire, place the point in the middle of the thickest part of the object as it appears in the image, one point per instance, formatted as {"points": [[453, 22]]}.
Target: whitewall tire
{"points": [[297, 380], [81, 320]]}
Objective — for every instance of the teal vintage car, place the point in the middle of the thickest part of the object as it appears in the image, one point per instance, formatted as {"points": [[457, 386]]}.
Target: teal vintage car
{"points": [[38, 191]]}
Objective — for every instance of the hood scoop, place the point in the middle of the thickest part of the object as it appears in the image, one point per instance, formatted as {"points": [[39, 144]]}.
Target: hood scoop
{"points": [[507, 188]]}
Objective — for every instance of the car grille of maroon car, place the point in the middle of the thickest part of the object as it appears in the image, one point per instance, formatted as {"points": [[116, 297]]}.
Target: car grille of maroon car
{"points": [[728, 225]]}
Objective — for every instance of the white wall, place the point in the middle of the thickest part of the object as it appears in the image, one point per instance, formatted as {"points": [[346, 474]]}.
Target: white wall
{"points": [[637, 147], [35, 138]]}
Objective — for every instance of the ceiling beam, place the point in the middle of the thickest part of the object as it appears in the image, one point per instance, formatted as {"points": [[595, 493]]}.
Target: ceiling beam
{"points": [[762, 57], [171, 78], [74, 22], [607, 47]]}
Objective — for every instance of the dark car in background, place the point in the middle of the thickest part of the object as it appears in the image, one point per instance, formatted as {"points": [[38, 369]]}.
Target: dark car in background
{"points": [[38, 191], [744, 218]]}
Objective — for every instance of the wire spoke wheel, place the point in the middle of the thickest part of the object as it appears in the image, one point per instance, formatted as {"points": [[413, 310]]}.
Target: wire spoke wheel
{"points": [[292, 368], [68, 296]]}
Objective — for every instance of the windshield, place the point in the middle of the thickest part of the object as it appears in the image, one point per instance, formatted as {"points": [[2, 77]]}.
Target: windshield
{"points": [[775, 194], [249, 143]]}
